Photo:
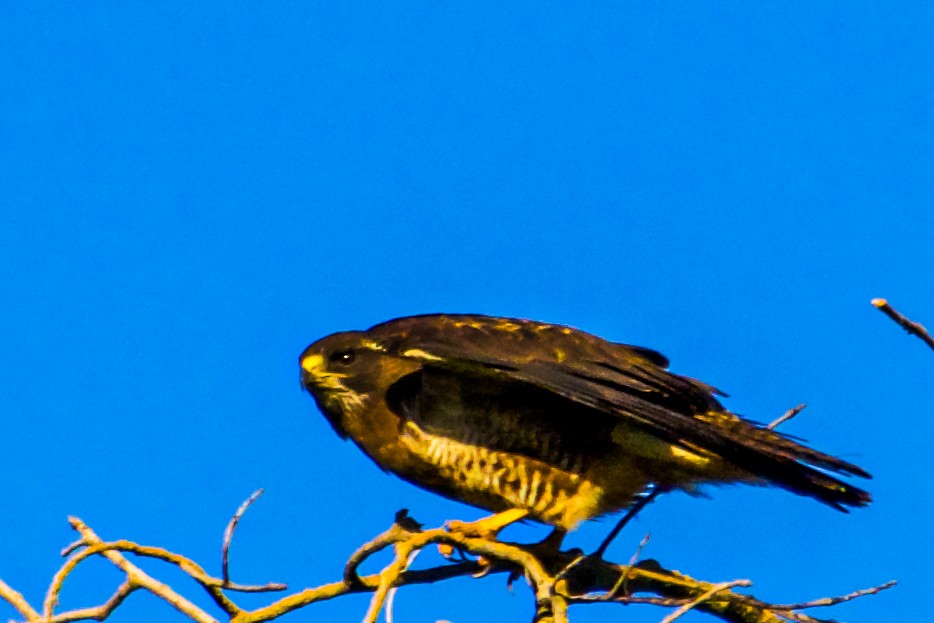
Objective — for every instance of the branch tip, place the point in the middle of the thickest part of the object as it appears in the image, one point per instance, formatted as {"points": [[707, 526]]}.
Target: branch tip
{"points": [[229, 532], [790, 413], [912, 327]]}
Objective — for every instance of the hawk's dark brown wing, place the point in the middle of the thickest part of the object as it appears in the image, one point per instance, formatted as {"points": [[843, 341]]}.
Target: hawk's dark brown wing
{"points": [[489, 344], [622, 380]]}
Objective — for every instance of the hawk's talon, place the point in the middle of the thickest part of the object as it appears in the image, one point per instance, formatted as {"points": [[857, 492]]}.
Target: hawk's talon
{"points": [[446, 550], [452, 552], [487, 528], [470, 529], [485, 564], [457, 555]]}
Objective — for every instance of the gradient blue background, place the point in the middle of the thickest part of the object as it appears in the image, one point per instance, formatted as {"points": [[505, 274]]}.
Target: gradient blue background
{"points": [[190, 195]]}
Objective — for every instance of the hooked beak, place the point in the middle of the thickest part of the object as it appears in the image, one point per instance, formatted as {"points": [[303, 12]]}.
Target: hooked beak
{"points": [[315, 375], [324, 386]]}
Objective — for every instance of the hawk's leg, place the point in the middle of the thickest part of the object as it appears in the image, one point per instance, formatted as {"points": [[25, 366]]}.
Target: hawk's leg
{"points": [[551, 544], [547, 549], [486, 528], [630, 514], [582, 562]]}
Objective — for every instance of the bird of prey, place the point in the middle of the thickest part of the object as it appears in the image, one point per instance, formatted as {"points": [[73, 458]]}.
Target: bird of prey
{"points": [[545, 422]]}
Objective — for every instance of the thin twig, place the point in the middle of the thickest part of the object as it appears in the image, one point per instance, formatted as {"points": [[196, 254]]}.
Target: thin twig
{"points": [[229, 532], [621, 582], [577, 560], [72, 547], [634, 510], [790, 413], [140, 577], [391, 596], [912, 327], [381, 542], [387, 579], [716, 588], [832, 601], [635, 555], [99, 613]]}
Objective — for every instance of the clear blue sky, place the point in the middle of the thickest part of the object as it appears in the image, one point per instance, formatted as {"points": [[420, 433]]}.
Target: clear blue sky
{"points": [[189, 195]]}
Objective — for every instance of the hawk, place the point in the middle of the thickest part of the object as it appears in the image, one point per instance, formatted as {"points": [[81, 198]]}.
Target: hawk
{"points": [[545, 422]]}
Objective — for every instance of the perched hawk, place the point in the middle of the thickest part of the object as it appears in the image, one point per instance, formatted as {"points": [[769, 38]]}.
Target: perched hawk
{"points": [[543, 420]]}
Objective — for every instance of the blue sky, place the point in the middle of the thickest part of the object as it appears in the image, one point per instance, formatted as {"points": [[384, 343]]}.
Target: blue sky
{"points": [[192, 194]]}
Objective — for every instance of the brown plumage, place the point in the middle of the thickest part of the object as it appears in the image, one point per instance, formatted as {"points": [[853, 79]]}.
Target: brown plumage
{"points": [[515, 414]]}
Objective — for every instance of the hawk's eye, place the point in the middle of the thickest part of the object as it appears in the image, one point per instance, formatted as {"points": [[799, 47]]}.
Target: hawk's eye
{"points": [[342, 357]]}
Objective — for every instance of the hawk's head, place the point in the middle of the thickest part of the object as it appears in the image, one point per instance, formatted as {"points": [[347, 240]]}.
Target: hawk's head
{"points": [[345, 371], [340, 372]]}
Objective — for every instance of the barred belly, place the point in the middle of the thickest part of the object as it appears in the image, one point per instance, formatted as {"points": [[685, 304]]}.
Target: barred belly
{"points": [[500, 480]]}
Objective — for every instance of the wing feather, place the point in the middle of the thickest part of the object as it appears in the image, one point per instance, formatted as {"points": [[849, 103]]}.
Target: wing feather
{"points": [[628, 382]]}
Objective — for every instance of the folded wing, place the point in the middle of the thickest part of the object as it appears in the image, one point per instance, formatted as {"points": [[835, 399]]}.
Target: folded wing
{"points": [[625, 381]]}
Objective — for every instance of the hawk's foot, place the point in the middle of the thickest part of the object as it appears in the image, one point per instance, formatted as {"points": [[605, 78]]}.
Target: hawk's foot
{"points": [[487, 528]]}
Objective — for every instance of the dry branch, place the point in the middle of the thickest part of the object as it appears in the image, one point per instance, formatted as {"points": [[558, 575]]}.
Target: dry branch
{"points": [[790, 413], [912, 327], [229, 532], [558, 580]]}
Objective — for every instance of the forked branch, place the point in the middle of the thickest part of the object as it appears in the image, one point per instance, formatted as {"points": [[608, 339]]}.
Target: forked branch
{"points": [[558, 581]]}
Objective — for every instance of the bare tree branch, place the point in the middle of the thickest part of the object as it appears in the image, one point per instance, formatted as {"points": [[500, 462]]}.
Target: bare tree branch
{"points": [[912, 327], [717, 588], [558, 581], [790, 413], [135, 576], [833, 601], [229, 532], [16, 600], [99, 613]]}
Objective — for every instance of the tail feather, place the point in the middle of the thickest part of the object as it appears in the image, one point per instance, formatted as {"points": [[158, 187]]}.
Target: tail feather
{"points": [[788, 464]]}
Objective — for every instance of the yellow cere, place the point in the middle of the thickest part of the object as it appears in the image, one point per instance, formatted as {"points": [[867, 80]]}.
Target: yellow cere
{"points": [[313, 364]]}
